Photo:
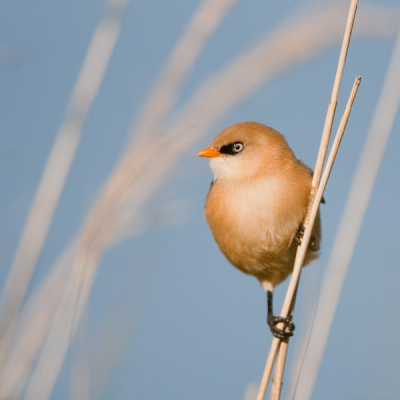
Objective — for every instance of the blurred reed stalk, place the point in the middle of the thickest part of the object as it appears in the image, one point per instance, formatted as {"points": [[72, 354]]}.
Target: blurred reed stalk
{"points": [[97, 232], [56, 171], [316, 196], [350, 225], [46, 327]]}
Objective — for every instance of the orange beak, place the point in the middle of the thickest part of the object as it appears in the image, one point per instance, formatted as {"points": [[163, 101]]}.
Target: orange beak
{"points": [[209, 152]]}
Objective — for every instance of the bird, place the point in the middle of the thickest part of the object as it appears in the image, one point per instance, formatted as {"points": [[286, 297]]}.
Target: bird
{"points": [[256, 206]]}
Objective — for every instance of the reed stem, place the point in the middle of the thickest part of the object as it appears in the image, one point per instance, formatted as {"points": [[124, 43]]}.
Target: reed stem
{"points": [[314, 203]]}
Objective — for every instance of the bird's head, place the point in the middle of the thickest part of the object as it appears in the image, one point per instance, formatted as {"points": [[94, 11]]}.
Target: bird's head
{"points": [[247, 150]]}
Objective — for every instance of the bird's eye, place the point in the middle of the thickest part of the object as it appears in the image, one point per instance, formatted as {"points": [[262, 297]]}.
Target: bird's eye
{"points": [[232, 148], [237, 147]]}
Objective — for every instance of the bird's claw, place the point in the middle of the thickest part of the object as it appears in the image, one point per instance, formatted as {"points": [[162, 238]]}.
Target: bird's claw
{"points": [[313, 243], [299, 235], [281, 333]]}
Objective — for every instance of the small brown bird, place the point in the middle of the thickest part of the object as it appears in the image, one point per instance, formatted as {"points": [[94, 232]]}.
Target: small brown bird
{"points": [[256, 205]]}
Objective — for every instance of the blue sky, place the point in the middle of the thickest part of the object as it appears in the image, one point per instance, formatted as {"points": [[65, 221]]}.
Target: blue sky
{"points": [[179, 320]]}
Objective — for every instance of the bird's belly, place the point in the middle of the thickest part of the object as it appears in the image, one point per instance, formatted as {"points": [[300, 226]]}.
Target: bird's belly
{"points": [[256, 235]]}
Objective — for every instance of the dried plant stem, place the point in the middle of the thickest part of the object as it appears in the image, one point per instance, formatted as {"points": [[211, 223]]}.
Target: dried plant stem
{"points": [[279, 370], [281, 359], [326, 133], [351, 222], [268, 368], [308, 224]]}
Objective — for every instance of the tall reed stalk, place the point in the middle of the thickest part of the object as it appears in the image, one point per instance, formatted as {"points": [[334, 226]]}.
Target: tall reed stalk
{"points": [[350, 224], [288, 306]]}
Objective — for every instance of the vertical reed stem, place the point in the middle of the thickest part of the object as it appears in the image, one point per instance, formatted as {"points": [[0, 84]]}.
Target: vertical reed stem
{"points": [[315, 184], [281, 359]]}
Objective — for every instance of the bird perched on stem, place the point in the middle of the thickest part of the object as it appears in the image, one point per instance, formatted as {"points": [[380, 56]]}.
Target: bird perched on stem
{"points": [[256, 206]]}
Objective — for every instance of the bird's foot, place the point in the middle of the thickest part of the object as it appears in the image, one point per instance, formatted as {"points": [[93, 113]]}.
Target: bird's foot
{"points": [[281, 333], [299, 235], [313, 243]]}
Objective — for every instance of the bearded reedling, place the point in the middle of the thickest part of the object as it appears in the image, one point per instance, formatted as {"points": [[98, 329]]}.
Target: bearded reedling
{"points": [[256, 205]]}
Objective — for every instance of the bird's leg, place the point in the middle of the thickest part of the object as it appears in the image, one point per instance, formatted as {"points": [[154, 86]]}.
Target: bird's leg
{"points": [[272, 321], [299, 235]]}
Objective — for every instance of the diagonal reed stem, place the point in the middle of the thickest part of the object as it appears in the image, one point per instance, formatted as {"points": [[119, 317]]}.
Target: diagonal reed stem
{"points": [[326, 133], [312, 213], [57, 168], [351, 221], [99, 227], [281, 359]]}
